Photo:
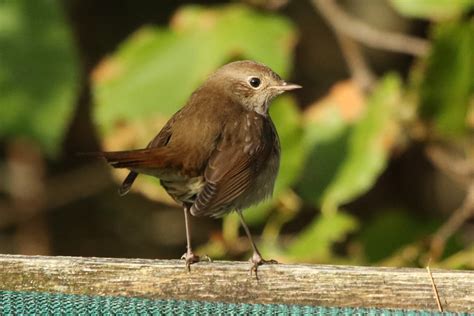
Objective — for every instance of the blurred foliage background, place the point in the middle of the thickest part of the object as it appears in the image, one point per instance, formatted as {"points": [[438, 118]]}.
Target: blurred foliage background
{"points": [[377, 149]]}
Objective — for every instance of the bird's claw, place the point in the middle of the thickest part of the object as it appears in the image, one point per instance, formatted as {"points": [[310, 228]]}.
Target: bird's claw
{"points": [[191, 258], [257, 261]]}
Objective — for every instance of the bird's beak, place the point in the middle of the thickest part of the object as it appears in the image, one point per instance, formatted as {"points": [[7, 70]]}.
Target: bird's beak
{"points": [[285, 86]]}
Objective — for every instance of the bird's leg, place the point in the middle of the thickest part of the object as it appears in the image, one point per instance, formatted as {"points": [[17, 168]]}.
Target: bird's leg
{"points": [[256, 258], [189, 256]]}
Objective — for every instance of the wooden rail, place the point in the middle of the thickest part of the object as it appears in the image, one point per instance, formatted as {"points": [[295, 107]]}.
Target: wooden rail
{"points": [[318, 285]]}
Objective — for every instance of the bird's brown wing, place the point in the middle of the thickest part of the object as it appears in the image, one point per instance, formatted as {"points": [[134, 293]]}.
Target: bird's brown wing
{"points": [[164, 135], [228, 174]]}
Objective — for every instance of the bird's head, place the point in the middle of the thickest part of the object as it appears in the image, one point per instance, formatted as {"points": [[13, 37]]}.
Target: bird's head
{"points": [[251, 84]]}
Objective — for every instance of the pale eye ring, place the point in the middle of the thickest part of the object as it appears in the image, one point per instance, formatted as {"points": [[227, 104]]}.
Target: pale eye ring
{"points": [[254, 82]]}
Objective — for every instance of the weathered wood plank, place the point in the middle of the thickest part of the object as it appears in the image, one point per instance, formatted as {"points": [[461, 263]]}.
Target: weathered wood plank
{"points": [[318, 285]]}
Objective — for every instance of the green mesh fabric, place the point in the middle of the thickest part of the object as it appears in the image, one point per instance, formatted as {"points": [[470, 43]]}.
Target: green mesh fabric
{"points": [[32, 303]]}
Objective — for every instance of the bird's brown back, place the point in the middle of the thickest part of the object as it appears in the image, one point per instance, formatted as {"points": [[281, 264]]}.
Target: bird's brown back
{"points": [[193, 133]]}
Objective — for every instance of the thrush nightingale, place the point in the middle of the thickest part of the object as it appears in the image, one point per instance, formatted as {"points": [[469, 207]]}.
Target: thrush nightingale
{"points": [[220, 152]]}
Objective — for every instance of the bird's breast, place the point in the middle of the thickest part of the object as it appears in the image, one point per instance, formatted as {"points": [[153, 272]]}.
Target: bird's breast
{"points": [[261, 131]]}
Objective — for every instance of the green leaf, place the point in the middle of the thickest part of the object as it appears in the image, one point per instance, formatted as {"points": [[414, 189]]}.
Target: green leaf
{"points": [[326, 142], [389, 230], [433, 9], [156, 70], [367, 148], [314, 243], [448, 82], [38, 72], [462, 260], [345, 160]]}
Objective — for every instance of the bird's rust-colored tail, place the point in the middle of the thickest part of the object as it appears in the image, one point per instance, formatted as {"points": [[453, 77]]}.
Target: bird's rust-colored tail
{"points": [[130, 158], [124, 159]]}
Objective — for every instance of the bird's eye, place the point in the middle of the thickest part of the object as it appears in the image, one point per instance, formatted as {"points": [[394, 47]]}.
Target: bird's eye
{"points": [[254, 82]]}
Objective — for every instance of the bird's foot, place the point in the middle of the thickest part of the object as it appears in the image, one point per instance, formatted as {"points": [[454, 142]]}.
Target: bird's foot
{"points": [[191, 258], [257, 261]]}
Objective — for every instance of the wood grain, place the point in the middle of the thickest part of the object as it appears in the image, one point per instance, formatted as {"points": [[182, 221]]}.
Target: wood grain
{"points": [[318, 285]]}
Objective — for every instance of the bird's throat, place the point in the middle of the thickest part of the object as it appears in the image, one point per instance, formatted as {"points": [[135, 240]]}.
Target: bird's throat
{"points": [[263, 109]]}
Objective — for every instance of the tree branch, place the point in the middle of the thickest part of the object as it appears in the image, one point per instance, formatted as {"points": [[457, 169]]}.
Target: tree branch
{"points": [[460, 170], [358, 66], [343, 23], [452, 225]]}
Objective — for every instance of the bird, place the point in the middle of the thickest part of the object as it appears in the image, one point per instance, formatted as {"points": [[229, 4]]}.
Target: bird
{"points": [[220, 152]]}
